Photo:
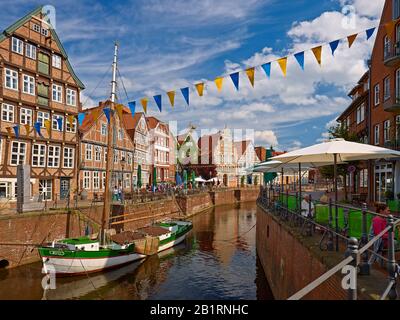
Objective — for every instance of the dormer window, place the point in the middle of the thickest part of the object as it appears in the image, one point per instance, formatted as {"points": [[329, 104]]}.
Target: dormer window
{"points": [[36, 28], [45, 32]]}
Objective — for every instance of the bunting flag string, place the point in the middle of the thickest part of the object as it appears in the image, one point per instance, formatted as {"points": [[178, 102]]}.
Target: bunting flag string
{"points": [[200, 88], [47, 124], [107, 113], [119, 108], [185, 93], [38, 127], [235, 79], [71, 119], [9, 130], [27, 129], [158, 100], [60, 123], [266, 67], [16, 130]]}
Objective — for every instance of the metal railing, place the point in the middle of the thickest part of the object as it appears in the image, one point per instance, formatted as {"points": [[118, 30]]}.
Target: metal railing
{"points": [[357, 253]]}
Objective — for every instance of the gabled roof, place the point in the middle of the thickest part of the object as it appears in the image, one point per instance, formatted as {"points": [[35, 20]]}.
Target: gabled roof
{"points": [[241, 147], [11, 29]]}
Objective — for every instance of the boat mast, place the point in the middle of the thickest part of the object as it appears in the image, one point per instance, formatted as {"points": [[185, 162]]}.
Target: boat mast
{"points": [[110, 151]]}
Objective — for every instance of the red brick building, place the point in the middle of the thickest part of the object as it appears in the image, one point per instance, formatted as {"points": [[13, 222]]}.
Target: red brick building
{"points": [[37, 85], [385, 102]]}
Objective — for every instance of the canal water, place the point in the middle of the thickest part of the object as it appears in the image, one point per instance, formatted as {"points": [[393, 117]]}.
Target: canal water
{"points": [[217, 261]]}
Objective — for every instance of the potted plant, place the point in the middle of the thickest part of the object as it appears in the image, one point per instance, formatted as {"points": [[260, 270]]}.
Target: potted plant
{"points": [[389, 195]]}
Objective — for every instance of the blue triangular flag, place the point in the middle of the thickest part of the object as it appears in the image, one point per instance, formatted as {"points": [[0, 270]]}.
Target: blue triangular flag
{"points": [[267, 69], [81, 116], [37, 127], [185, 93], [60, 123], [370, 32], [16, 130], [107, 114], [158, 100], [235, 79], [300, 59], [334, 45], [132, 107]]}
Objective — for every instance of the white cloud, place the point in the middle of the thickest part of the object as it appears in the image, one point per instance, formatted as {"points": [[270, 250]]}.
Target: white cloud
{"points": [[267, 137]]}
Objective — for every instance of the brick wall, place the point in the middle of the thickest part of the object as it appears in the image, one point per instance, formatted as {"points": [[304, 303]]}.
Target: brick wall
{"points": [[289, 265]]}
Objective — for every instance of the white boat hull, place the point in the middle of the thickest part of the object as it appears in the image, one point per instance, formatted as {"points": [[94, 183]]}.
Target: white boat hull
{"points": [[171, 244], [82, 266]]}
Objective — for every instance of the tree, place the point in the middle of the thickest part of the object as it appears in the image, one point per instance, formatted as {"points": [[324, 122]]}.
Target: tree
{"points": [[335, 132]]}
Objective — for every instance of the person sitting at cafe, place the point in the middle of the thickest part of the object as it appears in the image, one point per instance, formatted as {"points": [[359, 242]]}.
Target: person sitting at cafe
{"points": [[307, 207], [325, 197]]}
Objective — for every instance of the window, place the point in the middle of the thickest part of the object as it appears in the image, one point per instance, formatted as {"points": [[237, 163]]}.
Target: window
{"points": [[96, 180], [123, 155], [127, 180], [29, 85], [30, 51], [25, 116], [129, 156], [386, 130], [97, 153], [11, 79], [71, 97], [386, 88], [56, 61], [17, 46], [43, 94], [103, 129], [88, 151], [46, 189], [120, 134], [57, 93], [68, 157], [86, 179], [58, 122], [376, 134], [36, 27], [386, 47], [42, 117], [43, 64], [38, 155], [103, 180], [18, 151], [361, 113], [53, 160], [396, 9], [115, 156], [45, 32], [7, 112], [376, 94], [70, 128]]}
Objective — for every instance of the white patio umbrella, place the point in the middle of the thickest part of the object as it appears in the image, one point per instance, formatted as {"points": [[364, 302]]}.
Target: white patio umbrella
{"points": [[200, 179], [335, 151]]}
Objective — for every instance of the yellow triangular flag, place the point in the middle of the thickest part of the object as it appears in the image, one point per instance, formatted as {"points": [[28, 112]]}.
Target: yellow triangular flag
{"points": [[200, 88], [9, 130], [95, 114], [47, 124], [283, 64], [218, 82], [27, 129], [351, 39], [318, 54], [144, 104], [71, 119], [171, 96], [250, 74], [390, 27], [119, 108]]}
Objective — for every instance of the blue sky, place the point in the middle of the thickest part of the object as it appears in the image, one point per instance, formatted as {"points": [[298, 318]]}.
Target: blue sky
{"points": [[169, 44]]}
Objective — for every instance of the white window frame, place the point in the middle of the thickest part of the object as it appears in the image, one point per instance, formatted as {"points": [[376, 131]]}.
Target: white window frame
{"points": [[7, 112], [46, 188], [376, 94], [44, 32], [17, 46], [86, 180], [71, 97], [41, 117], [56, 93], [54, 122], [28, 86], [386, 88], [30, 51], [376, 134], [386, 131], [56, 61], [25, 116], [36, 28], [53, 156], [103, 129], [96, 180], [38, 155], [19, 156], [68, 127], [11, 79], [98, 153], [88, 151], [69, 155]]}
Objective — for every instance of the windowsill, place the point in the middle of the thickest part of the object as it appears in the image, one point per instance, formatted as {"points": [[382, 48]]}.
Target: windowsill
{"points": [[28, 93], [10, 88]]}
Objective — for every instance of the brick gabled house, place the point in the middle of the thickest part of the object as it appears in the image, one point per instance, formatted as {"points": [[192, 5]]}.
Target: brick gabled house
{"points": [[37, 83]]}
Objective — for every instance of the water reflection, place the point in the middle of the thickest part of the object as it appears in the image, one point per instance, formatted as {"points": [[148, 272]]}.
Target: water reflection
{"points": [[217, 261]]}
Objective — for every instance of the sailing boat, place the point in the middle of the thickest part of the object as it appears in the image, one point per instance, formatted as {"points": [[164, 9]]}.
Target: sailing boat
{"points": [[85, 254]]}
